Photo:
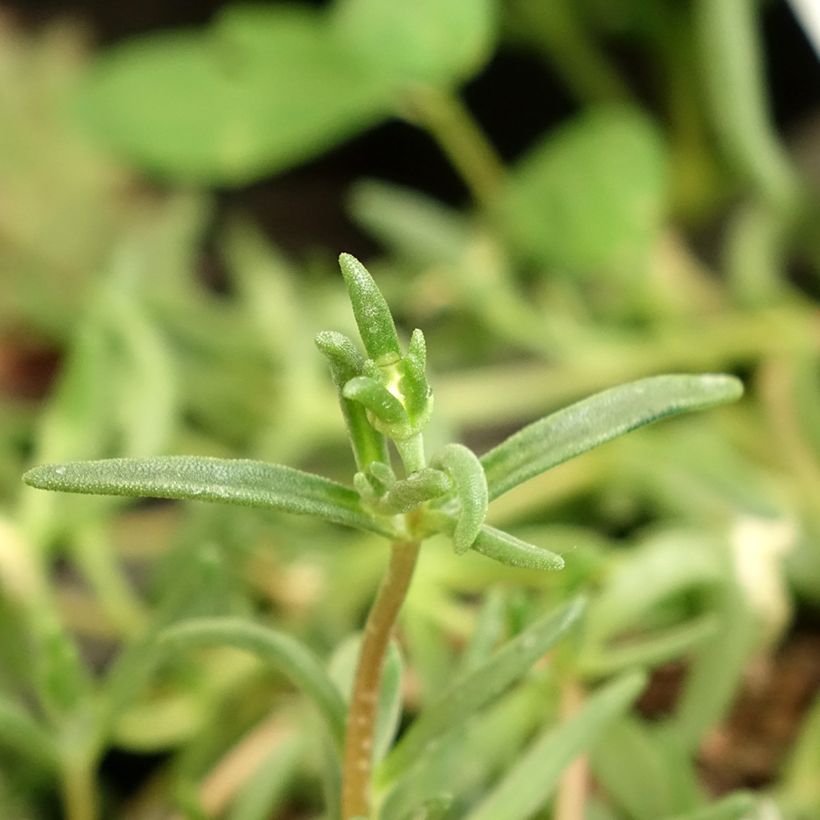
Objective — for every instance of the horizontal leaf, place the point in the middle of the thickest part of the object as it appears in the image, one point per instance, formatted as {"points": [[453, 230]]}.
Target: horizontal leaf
{"points": [[420, 486], [228, 481], [533, 778], [286, 653], [483, 684], [262, 90], [580, 427], [512, 551]]}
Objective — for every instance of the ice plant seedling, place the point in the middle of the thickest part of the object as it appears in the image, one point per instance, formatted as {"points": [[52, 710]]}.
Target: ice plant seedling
{"points": [[386, 401]]}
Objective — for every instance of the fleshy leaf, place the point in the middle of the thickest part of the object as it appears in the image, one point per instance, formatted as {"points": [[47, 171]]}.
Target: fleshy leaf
{"points": [[512, 551], [373, 317], [228, 481], [420, 486], [531, 781], [386, 412], [481, 685], [467, 474], [737, 806], [286, 653], [345, 364], [580, 427]]}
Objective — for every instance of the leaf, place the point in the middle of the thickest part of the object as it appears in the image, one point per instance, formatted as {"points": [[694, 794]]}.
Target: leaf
{"points": [[429, 41], [346, 363], [25, 737], [262, 90], [467, 474], [227, 481], [592, 194], [287, 654], [533, 778], [584, 425], [373, 316], [481, 686], [420, 486], [512, 551], [737, 806]]}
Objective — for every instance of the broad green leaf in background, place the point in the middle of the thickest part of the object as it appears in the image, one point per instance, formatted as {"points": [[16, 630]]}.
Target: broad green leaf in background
{"points": [[229, 481], [533, 777], [428, 41], [591, 196], [580, 427], [262, 90]]}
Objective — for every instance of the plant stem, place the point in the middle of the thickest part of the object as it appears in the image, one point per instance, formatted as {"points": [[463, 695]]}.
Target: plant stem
{"points": [[453, 127], [78, 790], [361, 722], [571, 799]]}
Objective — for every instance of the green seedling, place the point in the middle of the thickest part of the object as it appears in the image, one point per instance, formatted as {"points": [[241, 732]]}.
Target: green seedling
{"points": [[407, 497]]}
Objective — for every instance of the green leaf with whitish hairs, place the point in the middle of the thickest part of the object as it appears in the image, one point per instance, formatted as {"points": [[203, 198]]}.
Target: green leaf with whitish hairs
{"points": [[512, 551], [373, 317], [420, 486], [227, 481], [467, 475], [580, 427], [346, 363], [481, 685]]}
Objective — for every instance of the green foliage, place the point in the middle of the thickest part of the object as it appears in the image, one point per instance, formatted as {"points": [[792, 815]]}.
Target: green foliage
{"points": [[138, 627]]}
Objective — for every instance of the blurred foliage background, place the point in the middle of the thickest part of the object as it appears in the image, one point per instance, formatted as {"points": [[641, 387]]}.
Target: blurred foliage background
{"points": [[564, 196]]}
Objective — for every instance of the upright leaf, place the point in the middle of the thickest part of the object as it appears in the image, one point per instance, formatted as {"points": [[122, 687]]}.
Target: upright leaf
{"points": [[483, 684], [593, 421], [533, 777]]}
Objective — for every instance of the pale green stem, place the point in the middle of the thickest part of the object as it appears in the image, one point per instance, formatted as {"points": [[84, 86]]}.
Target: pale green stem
{"points": [[445, 117], [733, 72], [411, 451], [357, 772]]}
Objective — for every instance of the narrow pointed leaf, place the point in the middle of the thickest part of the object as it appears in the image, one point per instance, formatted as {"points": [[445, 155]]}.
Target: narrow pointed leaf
{"points": [[423, 485], [533, 778], [373, 317], [482, 685], [598, 419], [377, 399], [737, 806], [512, 551], [227, 481], [467, 474], [287, 654], [345, 364]]}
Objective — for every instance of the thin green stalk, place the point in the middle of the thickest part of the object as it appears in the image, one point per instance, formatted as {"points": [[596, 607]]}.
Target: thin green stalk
{"points": [[567, 44], [445, 117], [731, 54], [361, 723]]}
